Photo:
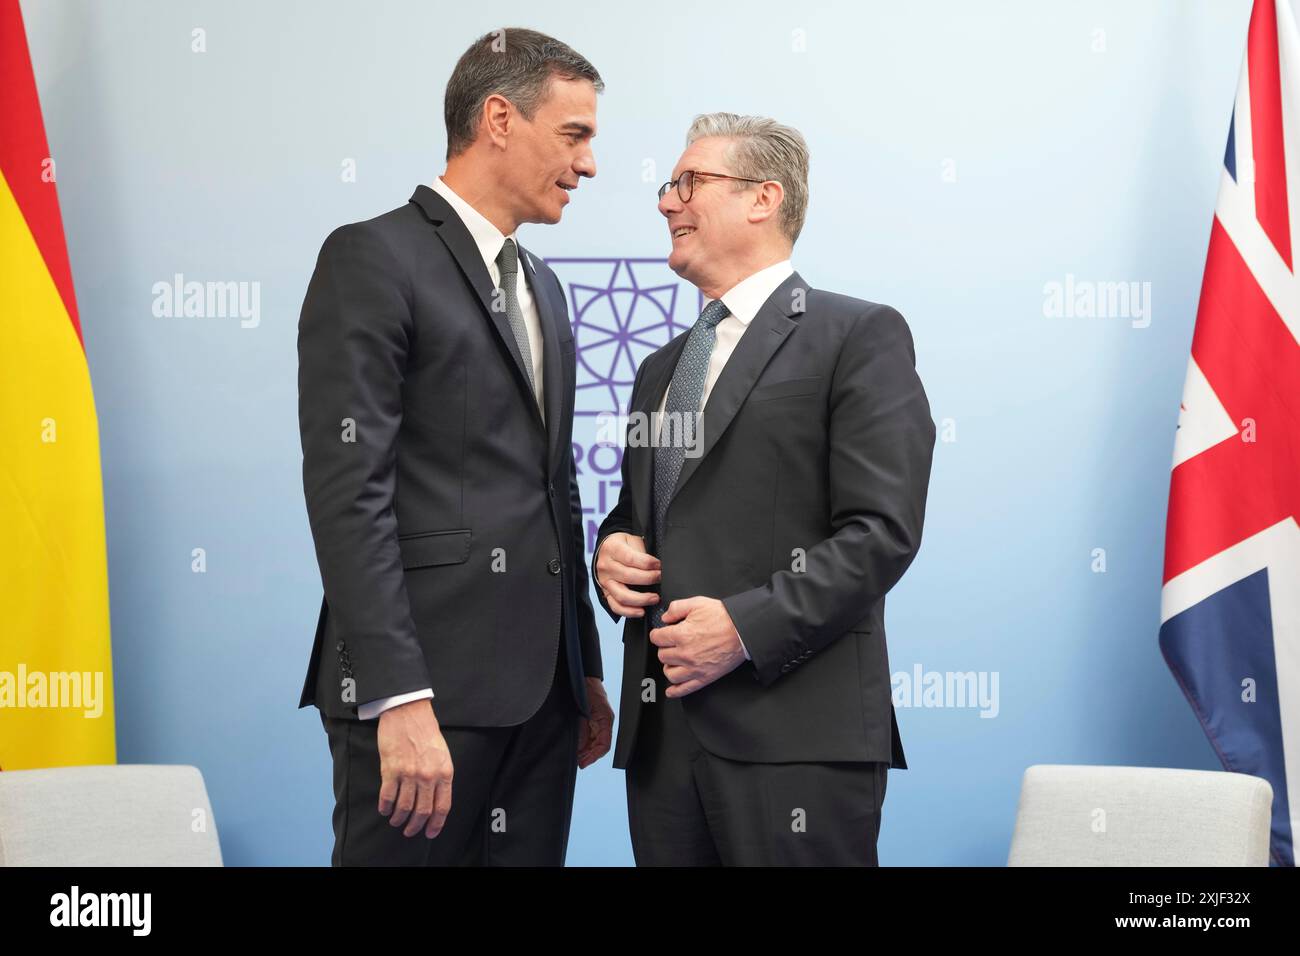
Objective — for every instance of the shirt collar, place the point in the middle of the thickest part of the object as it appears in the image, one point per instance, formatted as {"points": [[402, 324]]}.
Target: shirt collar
{"points": [[745, 298], [487, 237]]}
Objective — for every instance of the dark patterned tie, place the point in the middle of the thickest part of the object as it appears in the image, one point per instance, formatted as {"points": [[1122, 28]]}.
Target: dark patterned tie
{"points": [[684, 394], [508, 263]]}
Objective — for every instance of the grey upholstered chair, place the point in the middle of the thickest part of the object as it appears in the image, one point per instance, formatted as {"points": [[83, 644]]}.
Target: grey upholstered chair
{"points": [[124, 815], [1141, 816]]}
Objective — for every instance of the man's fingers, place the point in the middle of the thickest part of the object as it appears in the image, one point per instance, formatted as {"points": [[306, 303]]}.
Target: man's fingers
{"points": [[388, 793], [678, 610], [594, 748], [670, 654], [629, 598], [676, 673], [629, 574], [593, 753], [623, 562], [441, 807], [665, 636], [586, 732], [622, 609], [681, 690], [588, 752], [625, 554], [595, 733], [406, 796], [423, 808]]}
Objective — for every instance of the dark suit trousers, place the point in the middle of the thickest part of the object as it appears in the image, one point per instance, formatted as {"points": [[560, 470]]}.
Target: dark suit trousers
{"points": [[512, 791], [688, 807]]}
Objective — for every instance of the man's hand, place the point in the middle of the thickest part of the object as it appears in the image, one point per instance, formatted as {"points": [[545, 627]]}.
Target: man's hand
{"points": [[622, 561], [697, 645], [415, 769], [595, 731]]}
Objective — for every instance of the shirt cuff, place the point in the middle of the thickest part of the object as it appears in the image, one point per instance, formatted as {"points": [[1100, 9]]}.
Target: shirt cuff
{"points": [[743, 647], [373, 708], [595, 556]]}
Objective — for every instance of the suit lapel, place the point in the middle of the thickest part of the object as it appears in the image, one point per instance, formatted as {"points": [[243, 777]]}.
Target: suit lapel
{"points": [[461, 245], [766, 333], [658, 373], [553, 377]]}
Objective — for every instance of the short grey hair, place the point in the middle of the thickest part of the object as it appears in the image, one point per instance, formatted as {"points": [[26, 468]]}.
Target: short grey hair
{"points": [[515, 63], [763, 149]]}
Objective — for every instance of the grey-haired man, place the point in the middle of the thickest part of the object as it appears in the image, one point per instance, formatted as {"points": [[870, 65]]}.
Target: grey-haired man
{"points": [[751, 560]]}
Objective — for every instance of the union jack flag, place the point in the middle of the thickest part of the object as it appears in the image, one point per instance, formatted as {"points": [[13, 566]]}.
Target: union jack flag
{"points": [[1230, 605]]}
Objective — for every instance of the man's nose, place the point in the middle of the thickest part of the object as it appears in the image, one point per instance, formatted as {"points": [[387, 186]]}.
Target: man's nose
{"points": [[585, 164], [670, 202]]}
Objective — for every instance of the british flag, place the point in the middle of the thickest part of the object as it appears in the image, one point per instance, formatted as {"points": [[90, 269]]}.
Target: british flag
{"points": [[1230, 605]]}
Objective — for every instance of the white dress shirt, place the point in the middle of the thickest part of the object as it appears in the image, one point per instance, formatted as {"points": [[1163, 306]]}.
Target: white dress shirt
{"points": [[489, 240], [743, 301]]}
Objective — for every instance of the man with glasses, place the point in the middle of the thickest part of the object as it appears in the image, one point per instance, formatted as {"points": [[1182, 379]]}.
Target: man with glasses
{"points": [[751, 557]]}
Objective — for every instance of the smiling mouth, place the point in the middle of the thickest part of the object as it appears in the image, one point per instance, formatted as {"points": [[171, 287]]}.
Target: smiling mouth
{"points": [[683, 231], [566, 187]]}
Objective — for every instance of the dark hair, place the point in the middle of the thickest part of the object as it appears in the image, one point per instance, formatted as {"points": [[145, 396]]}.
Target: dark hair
{"points": [[515, 63]]}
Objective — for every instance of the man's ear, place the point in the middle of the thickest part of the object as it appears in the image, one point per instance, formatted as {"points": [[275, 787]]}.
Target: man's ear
{"points": [[767, 202], [498, 114]]}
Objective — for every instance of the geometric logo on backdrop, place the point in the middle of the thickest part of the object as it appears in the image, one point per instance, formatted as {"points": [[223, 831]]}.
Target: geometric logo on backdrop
{"points": [[621, 310]]}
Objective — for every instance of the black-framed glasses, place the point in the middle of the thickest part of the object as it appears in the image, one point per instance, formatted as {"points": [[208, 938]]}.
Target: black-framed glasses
{"points": [[685, 183]]}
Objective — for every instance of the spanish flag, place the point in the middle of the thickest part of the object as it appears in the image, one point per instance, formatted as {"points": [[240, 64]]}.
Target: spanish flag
{"points": [[56, 687]]}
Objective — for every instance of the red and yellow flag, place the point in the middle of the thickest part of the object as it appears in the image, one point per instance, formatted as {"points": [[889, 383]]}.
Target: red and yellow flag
{"points": [[56, 687]]}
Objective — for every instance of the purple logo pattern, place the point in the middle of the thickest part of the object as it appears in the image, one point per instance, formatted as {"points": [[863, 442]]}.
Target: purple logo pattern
{"points": [[622, 310]]}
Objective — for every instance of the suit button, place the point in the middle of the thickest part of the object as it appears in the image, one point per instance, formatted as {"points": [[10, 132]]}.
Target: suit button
{"points": [[553, 566], [550, 489]]}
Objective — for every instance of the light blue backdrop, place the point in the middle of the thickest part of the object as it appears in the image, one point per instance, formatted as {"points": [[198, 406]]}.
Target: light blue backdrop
{"points": [[964, 155]]}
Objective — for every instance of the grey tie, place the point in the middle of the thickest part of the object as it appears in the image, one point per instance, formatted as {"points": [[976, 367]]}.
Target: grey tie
{"points": [[684, 394], [508, 263]]}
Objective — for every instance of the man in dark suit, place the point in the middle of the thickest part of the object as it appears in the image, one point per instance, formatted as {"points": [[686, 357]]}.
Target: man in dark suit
{"points": [[751, 556], [436, 387]]}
